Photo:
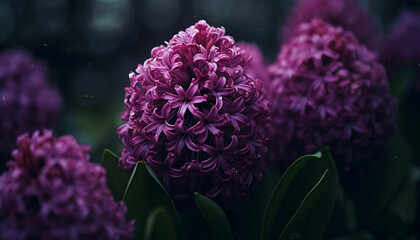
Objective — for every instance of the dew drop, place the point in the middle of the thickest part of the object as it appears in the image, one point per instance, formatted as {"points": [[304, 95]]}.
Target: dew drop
{"points": [[220, 97], [166, 42], [132, 113], [131, 74]]}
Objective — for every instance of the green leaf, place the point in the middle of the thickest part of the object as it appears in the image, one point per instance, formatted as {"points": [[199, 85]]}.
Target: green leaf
{"points": [[214, 216], [116, 177], [402, 81], [401, 213], [295, 184], [299, 223], [160, 226], [380, 188], [143, 194], [363, 235], [344, 217]]}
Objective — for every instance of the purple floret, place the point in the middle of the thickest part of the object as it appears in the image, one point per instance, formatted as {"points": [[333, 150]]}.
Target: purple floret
{"points": [[196, 116], [347, 14], [51, 191], [328, 89], [27, 101]]}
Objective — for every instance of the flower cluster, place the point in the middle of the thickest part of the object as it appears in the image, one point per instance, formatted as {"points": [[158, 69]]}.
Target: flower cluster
{"points": [[401, 47], [51, 191], [327, 89], [27, 102], [347, 14], [196, 116], [257, 66]]}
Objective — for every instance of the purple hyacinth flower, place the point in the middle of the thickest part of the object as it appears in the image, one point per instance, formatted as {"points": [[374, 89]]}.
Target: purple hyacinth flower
{"points": [[27, 101], [347, 14], [257, 65], [400, 47], [52, 191], [196, 116], [328, 89]]}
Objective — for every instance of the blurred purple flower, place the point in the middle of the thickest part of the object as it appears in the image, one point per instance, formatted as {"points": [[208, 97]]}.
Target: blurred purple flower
{"points": [[27, 101], [327, 89], [257, 67], [196, 116], [347, 14], [401, 46], [51, 191]]}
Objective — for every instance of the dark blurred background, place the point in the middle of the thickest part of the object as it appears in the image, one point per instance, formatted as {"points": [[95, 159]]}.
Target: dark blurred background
{"points": [[91, 46]]}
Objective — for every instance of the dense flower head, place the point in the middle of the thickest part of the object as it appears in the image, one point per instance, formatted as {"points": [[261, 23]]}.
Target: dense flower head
{"points": [[257, 67], [51, 191], [345, 13], [401, 45], [27, 101], [196, 116], [328, 89]]}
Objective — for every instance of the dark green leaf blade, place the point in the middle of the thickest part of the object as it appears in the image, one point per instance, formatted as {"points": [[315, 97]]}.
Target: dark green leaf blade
{"points": [[159, 225], [299, 224], [214, 216], [293, 187], [116, 177], [143, 194], [382, 185]]}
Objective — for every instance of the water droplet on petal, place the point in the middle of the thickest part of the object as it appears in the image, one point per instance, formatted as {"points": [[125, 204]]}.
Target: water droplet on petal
{"points": [[220, 97], [131, 74], [132, 113], [166, 42]]}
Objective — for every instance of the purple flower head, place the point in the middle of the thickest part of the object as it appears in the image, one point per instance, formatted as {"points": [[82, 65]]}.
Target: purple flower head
{"points": [[27, 101], [327, 89], [257, 65], [196, 116], [401, 46], [51, 191], [347, 14]]}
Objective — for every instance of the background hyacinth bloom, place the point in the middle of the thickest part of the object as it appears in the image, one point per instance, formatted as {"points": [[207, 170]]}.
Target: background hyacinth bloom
{"points": [[27, 101], [257, 67], [347, 14], [328, 89], [400, 47], [51, 191], [196, 116]]}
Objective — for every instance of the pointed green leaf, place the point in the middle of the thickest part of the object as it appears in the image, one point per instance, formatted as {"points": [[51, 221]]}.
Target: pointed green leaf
{"points": [[116, 177], [160, 226], [304, 216], [143, 194], [383, 184], [298, 180], [214, 216]]}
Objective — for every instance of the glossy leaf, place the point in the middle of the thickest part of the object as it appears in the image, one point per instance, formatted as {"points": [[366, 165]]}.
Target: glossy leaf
{"points": [[214, 216], [143, 194], [117, 178], [401, 213], [160, 226], [300, 221], [295, 184], [380, 188], [364, 235]]}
